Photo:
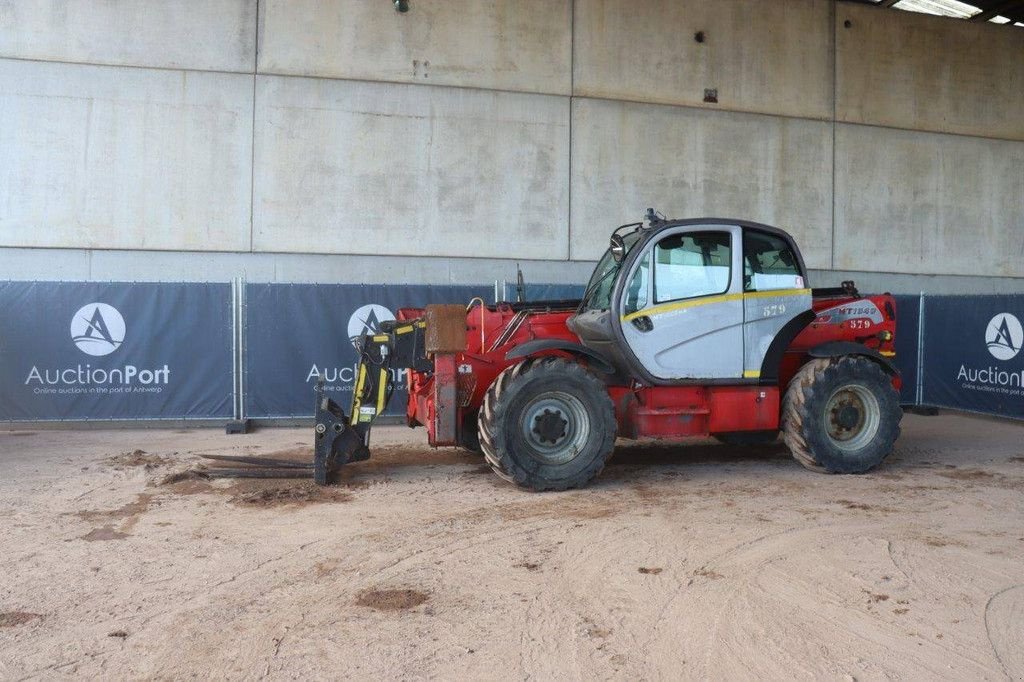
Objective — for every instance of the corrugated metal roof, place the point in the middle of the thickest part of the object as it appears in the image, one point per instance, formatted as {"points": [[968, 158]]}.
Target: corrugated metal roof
{"points": [[995, 11]]}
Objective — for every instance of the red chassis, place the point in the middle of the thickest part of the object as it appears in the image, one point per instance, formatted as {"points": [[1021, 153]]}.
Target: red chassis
{"points": [[447, 400]]}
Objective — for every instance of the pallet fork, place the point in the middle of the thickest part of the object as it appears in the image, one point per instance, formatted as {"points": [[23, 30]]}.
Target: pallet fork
{"points": [[338, 442], [341, 438]]}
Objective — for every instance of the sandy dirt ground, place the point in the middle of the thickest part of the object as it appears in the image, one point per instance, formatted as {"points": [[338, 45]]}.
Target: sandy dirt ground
{"points": [[699, 561]]}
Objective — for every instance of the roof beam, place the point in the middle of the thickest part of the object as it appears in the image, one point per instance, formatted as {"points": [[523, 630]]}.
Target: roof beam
{"points": [[887, 3], [995, 10]]}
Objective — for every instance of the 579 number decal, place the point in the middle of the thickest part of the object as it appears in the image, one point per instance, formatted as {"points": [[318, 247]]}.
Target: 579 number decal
{"points": [[859, 323], [773, 310]]}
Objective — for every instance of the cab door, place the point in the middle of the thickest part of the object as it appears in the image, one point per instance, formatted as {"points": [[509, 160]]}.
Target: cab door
{"points": [[775, 293], [682, 308]]}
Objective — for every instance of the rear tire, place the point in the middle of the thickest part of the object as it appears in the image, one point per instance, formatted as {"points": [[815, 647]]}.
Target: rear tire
{"points": [[547, 424], [747, 438], [841, 415]]}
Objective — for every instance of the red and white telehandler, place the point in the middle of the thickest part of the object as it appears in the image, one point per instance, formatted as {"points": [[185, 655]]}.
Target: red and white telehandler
{"points": [[698, 327]]}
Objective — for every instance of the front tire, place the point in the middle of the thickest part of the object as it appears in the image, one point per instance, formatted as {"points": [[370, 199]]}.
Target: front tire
{"points": [[547, 424], [841, 415]]}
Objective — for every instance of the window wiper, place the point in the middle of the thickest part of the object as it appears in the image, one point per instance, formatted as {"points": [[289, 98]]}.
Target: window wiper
{"points": [[593, 287]]}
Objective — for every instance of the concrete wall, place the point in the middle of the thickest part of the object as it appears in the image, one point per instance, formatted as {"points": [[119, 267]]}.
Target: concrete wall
{"points": [[926, 202], [214, 35], [522, 45], [919, 72], [117, 157], [350, 167], [773, 58], [337, 140], [689, 162]]}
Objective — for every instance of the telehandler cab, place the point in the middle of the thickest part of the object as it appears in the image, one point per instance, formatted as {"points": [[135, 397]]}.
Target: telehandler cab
{"points": [[687, 328]]}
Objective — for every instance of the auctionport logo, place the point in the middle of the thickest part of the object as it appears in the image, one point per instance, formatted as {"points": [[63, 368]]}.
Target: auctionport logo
{"points": [[97, 329], [1004, 336], [366, 320]]}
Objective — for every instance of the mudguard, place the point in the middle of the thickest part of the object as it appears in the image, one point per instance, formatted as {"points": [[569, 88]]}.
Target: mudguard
{"points": [[773, 356], [834, 349], [527, 349]]}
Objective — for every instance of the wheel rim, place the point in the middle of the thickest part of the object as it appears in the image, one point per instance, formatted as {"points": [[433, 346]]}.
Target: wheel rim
{"points": [[555, 427], [852, 416]]}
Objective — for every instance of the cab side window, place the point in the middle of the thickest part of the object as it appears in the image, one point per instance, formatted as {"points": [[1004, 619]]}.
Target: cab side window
{"points": [[692, 264], [636, 292], [769, 263]]}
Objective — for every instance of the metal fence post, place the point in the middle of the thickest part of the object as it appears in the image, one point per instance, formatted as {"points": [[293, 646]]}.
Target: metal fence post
{"points": [[236, 413], [920, 350], [243, 321], [239, 423]]}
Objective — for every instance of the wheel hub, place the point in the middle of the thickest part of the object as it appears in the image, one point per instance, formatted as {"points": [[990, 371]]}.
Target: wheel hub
{"points": [[852, 417], [550, 426], [555, 427], [848, 417]]}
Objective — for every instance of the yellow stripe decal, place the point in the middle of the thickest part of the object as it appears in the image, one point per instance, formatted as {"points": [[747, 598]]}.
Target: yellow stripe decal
{"points": [[382, 390], [773, 294], [357, 400], [691, 303], [680, 305], [888, 353], [751, 373], [404, 330]]}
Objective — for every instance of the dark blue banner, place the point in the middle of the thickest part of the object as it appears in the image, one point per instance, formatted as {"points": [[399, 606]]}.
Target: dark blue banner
{"points": [[89, 350], [972, 356], [907, 361], [544, 292], [115, 350], [295, 333]]}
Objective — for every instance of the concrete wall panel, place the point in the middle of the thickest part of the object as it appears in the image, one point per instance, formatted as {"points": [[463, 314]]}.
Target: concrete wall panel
{"points": [[111, 157], [296, 267], [379, 168], [211, 34], [773, 60], [919, 72], [898, 283], [523, 45], [691, 163], [917, 202], [181, 266], [45, 264]]}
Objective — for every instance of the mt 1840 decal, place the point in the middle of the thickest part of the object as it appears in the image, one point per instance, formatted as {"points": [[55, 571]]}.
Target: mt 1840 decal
{"points": [[860, 314]]}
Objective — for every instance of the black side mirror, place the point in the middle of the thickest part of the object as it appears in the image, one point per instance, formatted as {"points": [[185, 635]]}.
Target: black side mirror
{"points": [[618, 248]]}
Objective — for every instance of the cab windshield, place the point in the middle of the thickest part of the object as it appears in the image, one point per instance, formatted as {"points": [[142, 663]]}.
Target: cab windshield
{"points": [[598, 294]]}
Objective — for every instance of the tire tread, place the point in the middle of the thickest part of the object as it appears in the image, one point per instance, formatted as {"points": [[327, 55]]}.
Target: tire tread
{"points": [[493, 419], [802, 401]]}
